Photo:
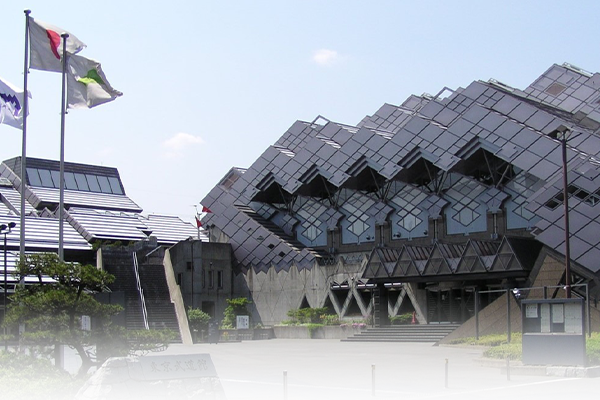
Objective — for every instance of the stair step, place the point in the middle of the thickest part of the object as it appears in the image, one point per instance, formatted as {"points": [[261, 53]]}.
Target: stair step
{"points": [[403, 333]]}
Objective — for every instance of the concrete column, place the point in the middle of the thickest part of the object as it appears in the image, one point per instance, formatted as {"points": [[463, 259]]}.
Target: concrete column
{"points": [[418, 299], [382, 309]]}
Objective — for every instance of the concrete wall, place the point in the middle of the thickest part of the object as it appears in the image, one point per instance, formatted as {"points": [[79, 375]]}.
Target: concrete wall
{"points": [[193, 263], [322, 332], [275, 293]]}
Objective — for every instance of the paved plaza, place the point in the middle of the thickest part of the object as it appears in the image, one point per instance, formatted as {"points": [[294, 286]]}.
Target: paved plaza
{"points": [[331, 369]]}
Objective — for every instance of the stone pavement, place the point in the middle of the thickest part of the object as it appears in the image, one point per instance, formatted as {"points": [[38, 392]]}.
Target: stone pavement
{"points": [[291, 369]]}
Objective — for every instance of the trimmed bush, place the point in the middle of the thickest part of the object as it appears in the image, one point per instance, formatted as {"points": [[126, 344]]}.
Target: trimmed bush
{"points": [[235, 307], [307, 315], [402, 319], [512, 351]]}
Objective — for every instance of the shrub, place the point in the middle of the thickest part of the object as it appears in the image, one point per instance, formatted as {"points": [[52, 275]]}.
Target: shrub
{"points": [[512, 351], [307, 315], [331, 319], [593, 348], [401, 319], [43, 379], [235, 307], [489, 340], [198, 319]]}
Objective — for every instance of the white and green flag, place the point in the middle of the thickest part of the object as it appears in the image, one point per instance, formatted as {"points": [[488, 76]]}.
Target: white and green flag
{"points": [[87, 86]]}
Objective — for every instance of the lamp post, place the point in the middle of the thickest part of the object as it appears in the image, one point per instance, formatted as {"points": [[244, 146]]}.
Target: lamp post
{"points": [[562, 135], [5, 229]]}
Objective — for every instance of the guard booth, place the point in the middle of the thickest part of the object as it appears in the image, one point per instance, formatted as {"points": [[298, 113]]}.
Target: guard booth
{"points": [[553, 332]]}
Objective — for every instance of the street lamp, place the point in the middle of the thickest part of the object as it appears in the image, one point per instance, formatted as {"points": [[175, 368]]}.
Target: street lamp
{"points": [[5, 229], [562, 135]]}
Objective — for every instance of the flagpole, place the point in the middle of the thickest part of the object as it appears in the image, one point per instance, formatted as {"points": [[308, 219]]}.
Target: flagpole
{"points": [[24, 140], [62, 150]]}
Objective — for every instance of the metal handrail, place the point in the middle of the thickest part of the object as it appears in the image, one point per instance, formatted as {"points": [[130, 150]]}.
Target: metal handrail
{"points": [[140, 290]]}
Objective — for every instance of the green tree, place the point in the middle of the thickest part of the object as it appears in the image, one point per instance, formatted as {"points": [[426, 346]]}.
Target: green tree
{"points": [[198, 320], [52, 311], [235, 307]]}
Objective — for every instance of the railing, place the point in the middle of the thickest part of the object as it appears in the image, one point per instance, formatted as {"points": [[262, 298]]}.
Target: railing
{"points": [[140, 290]]}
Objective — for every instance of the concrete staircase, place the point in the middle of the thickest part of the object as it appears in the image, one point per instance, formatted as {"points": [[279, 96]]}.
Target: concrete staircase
{"points": [[404, 333], [118, 262], [161, 312]]}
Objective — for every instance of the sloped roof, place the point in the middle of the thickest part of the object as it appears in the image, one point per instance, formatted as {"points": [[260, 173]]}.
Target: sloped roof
{"points": [[515, 126]]}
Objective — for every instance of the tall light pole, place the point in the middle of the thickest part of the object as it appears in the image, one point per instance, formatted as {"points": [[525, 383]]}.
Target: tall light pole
{"points": [[5, 229], [562, 135]]}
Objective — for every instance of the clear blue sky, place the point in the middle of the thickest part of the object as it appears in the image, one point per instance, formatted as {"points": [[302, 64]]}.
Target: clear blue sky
{"points": [[209, 85]]}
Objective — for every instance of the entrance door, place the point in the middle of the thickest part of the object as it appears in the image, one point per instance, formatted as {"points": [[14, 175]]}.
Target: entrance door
{"points": [[209, 308], [448, 306]]}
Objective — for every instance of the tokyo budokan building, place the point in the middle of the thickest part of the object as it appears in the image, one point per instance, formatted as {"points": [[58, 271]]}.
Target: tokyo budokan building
{"points": [[427, 208]]}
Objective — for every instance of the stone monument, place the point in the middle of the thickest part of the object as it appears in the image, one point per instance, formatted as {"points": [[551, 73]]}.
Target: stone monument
{"points": [[162, 377]]}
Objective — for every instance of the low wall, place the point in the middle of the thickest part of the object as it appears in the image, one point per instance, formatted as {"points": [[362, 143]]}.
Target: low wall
{"points": [[246, 334], [154, 377], [321, 332]]}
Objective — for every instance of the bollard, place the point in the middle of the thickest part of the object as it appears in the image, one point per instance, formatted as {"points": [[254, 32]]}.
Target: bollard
{"points": [[285, 386], [373, 380], [508, 369], [446, 375]]}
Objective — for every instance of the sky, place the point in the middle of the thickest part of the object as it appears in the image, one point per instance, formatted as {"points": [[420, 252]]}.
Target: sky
{"points": [[209, 85]]}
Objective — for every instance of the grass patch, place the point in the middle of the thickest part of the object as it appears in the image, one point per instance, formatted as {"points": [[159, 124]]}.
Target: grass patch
{"points": [[488, 340], [499, 348]]}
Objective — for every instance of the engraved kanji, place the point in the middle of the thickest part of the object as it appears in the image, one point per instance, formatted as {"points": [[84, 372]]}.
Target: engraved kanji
{"points": [[154, 367], [190, 365], [179, 366]]}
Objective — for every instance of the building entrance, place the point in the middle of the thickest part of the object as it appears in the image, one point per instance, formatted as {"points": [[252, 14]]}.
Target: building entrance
{"points": [[450, 306]]}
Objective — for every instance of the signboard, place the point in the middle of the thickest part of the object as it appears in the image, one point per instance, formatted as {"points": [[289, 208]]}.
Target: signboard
{"points": [[531, 311], [558, 313], [553, 332], [177, 367], [86, 323], [243, 322], [573, 319]]}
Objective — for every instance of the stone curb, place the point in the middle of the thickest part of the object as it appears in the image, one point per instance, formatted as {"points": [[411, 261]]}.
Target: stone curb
{"points": [[517, 368]]}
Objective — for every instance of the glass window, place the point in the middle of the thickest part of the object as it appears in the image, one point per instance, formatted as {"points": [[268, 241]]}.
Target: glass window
{"points": [[70, 181], [220, 279], [34, 177], [46, 178], [115, 185], [211, 281], [82, 183], [56, 178], [104, 185], [93, 183]]}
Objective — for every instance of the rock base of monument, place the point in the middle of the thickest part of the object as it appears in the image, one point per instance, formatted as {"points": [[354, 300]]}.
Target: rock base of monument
{"points": [[154, 377]]}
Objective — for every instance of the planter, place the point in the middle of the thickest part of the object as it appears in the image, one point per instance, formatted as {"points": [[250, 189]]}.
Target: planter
{"points": [[237, 335], [321, 332], [262, 333]]}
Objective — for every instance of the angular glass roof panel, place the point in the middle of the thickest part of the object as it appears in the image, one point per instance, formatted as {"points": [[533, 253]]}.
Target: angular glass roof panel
{"points": [[87, 199]]}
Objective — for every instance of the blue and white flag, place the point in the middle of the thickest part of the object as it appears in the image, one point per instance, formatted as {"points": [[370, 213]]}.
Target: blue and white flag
{"points": [[11, 105]]}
